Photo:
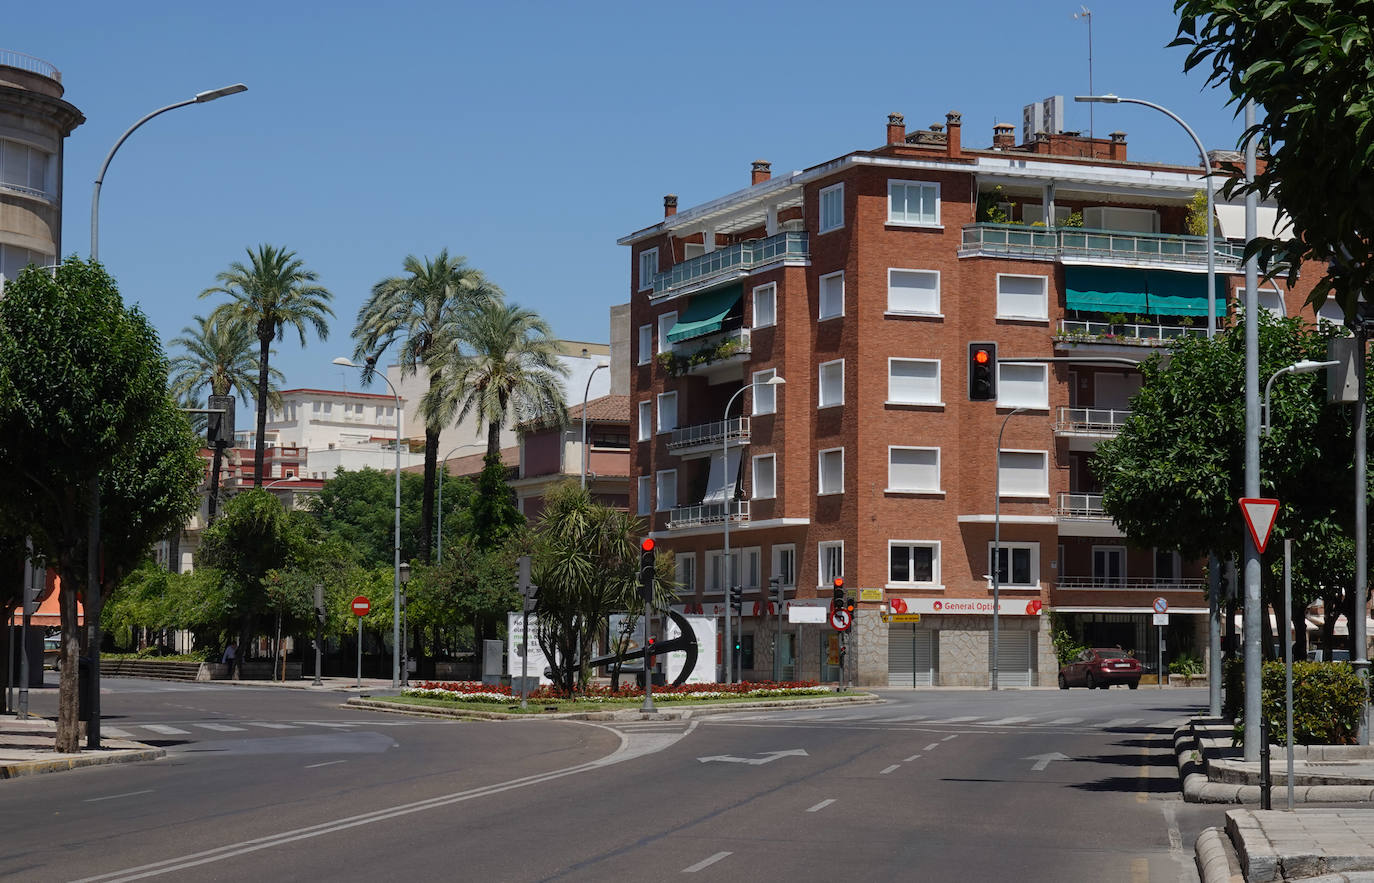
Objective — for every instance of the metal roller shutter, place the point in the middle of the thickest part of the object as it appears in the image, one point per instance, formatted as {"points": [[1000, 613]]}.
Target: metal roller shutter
{"points": [[1014, 659], [909, 657]]}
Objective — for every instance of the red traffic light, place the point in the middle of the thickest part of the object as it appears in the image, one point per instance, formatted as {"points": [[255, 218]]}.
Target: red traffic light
{"points": [[981, 357], [647, 545], [839, 582]]}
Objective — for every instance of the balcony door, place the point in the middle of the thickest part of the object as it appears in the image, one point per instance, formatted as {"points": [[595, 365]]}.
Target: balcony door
{"points": [[1109, 565]]}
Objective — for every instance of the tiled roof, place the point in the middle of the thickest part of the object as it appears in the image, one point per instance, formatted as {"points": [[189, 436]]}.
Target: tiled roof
{"points": [[607, 409]]}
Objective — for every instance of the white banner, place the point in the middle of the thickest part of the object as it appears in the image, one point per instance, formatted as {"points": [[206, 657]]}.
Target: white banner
{"points": [[704, 672], [808, 614], [515, 647]]}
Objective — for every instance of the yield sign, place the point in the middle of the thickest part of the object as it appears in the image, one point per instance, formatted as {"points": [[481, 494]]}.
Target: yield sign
{"points": [[1259, 517]]}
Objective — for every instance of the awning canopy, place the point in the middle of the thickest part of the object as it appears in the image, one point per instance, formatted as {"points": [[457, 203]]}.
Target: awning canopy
{"points": [[706, 313], [1149, 292], [1270, 223]]}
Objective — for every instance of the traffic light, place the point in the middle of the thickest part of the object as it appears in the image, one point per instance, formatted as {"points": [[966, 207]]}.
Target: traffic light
{"points": [[849, 606], [737, 598], [837, 599], [775, 582], [982, 372], [646, 569]]}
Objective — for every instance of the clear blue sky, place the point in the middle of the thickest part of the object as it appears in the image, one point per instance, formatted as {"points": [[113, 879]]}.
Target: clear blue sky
{"points": [[526, 135]]}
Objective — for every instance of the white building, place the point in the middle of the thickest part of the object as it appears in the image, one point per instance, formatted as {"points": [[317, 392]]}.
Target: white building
{"points": [[335, 429]]}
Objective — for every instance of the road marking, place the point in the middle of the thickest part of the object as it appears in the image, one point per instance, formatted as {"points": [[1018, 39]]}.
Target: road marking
{"points": [[950, 736], [268, 725], [1142, 796], [822, 805], [1043, 760], [1122, 722], [1140, 870], [954, 720], [117, 796], [165, 730], [909, 717], [322, 724], [932, 746], [768, 757], [220, 728], [911, 758], [705, 863], [1008, 720], [1062, 721], [116, 733], [895, 766], [312, 766]]}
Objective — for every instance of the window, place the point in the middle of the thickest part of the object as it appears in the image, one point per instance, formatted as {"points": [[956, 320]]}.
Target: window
{"points": [[1269, 298], [830, 556], [765, 477], [831, 390], [913, 562], [1168, 566], [667, 490], [765, 305], [1130, 220], [686, 564], [1023, 386], [646, 344], [913, 381], [831, 467], [1017, 566], [1109, 565], [1023, 297], [913, 291], [913, 469], [646, 420], [328, 408], [747, 572], [23, 166], [832, 208], [665, 324], [642, 502], [693, 250], [913, 203], [667, 412], [1034, 213], [744, 568], [765, 394], [648, 268], [785, 564], [1023, 473], [832, 295]]}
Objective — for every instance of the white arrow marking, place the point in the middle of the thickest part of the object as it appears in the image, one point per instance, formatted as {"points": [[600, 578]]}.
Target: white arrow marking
{"points": [[1043, 760], [768, 757]]}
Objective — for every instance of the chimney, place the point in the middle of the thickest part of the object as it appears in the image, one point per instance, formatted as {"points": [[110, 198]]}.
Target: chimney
{"points": [[954, 120], [896, 129], [1118, 147], [761, 172], [1003, 136], [670, 205]]}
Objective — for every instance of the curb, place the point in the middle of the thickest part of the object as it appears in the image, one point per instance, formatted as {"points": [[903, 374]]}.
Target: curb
{"points": [[618, 714], [1216, 858], [1198, 788], [38, 767]]}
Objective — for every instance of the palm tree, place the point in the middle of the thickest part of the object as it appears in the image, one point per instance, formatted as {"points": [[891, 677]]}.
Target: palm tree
{"points": [[501, 365], [218, 354], [273, 293], [414, 309]]}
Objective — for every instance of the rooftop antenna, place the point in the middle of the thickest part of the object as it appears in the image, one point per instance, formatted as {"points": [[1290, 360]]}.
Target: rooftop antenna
{"points": [[1088, 15]]}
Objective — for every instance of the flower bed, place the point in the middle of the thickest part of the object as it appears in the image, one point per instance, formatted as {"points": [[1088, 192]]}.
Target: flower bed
{"points": [[471, 691]]}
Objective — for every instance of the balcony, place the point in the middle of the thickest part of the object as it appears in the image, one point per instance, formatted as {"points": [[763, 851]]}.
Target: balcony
{"points": [[708, 513], [1078, 332], [1097, 422], [714, 356], [1122, 584], [733, 260], [709, 436], [1075, 245], [1083, 506]]}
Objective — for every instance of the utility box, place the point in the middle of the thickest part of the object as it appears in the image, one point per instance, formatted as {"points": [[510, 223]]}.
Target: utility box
{"points": [[493, 662], [1342, 380]]}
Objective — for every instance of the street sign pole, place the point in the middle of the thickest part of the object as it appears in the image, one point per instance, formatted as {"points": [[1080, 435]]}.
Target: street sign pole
{"points": [[1161, 608], [360, 652], [360, 607], [1288, 660]]}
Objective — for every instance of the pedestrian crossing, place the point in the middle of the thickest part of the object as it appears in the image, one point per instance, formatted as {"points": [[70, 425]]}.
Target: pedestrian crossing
{"points": [[875, 716], [140, 731]]}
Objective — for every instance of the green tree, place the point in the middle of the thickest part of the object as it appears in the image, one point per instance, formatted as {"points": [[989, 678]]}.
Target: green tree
{"points": [[493, 514], [359, 507], [501, 366], [81, 376], [414, 310], [1306, 66], [273, 292]]}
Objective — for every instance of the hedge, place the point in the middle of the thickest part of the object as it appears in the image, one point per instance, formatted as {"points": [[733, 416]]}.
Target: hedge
{"points": [[1327, 700]]}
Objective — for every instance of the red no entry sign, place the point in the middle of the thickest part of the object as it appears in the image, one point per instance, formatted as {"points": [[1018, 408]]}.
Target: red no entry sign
{"points": [[361, 606]]}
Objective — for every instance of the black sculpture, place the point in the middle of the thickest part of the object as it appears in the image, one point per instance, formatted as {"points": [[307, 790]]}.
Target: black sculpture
{"points": [[687, 641]]}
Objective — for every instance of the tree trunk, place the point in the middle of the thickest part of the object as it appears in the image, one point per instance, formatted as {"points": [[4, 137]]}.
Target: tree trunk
{"points": [[1299, 623], [68, 727], [260, 442], [92, 614], [494, 438]]}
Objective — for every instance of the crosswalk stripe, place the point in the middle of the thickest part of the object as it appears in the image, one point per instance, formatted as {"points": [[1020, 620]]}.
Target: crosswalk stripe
{"points": [[1008, 720], [220, 728], [165, 730], [955, 720], [271, 726], [1059, 722], [323, 724], [116, 733], [1121, 722]]}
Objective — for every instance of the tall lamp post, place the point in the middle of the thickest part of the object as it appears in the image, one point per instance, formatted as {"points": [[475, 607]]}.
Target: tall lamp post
{"points": [[396, 566], [728, 490], [439, 505], [997, 542], [585, 392], [1305, 366]]}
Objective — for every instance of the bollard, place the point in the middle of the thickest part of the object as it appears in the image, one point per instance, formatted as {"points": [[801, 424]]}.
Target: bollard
{"points": [[1266, 777]]}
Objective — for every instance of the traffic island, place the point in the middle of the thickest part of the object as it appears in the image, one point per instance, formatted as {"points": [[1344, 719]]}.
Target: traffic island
{"points": [[1211, 769], [624, 709]]}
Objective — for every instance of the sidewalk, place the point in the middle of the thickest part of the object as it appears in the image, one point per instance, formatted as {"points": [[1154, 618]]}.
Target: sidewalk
{"points": [[26, 749]]}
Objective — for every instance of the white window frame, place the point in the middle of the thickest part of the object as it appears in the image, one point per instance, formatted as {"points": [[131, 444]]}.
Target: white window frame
{"points": [[831, 208], [1040, 402], [648, 268], [891, 397], [821, 314], [1042, 313], [663, 425], [777, 569], [1109, 550], [665, 324], [824, 577], [1009, 549], [893, 310], [1044, 471], [765, 294], [687, 582], [893, 488], [646, 343], [820, 385], [714, 575], [643, 496], [749, 567], [646, 420], [667, 478], [754, 483], [904, 220], [934, 581], [765, 397], [1243, 297], [820, 472]]}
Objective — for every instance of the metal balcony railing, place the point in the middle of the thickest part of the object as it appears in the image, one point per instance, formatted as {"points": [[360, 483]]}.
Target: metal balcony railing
{"points": [[10, 58], [736, 428], [707, 513], [21, 189], [1126, 334], [1081, 506], [1091, 421], [740, 256], [1108, 247], [1137, 584]]}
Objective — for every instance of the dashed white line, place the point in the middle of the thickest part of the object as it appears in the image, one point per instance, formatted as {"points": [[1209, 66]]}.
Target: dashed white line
{"points": [[312, 766], [932, 746], [268, 725], [895, 766], [911, 758], [117, 796], [820, 806], [705, 863], [322, 724], [950, 736], [1064, 720], [1007, 720]]}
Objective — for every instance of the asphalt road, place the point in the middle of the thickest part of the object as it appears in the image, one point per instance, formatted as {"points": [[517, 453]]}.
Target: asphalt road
{"points": [[931, 785]]}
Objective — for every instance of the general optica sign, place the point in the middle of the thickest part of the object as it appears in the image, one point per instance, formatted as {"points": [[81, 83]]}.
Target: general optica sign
{"points": [[974, 606]]}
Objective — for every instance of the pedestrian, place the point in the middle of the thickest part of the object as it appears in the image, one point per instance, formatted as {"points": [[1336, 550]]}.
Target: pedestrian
{"points": [[230, 658]]}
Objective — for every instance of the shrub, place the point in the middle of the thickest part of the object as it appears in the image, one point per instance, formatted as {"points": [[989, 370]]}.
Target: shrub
{"points": [[1186, 665], [1327, 700]]}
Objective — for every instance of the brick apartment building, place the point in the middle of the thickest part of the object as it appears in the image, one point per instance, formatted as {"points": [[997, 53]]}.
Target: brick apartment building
{"points": [[861, 282]]}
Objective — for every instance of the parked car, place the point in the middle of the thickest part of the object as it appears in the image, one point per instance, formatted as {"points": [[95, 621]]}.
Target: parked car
{"points": [[52, 648], [1101, 667]]}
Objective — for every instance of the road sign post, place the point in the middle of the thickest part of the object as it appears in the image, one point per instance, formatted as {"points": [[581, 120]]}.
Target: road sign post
{"points": [[360, 606], [1260, 514], [1161, 607]]}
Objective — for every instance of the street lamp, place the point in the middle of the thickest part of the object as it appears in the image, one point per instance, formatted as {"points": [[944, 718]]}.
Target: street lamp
{"points": [[1305, 366], [775, 380], [439, 514], [396, 585], [585, 392], [997, 541], [1207, 180]]}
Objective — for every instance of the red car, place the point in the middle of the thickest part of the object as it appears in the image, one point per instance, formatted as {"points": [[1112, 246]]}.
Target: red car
{"points": [[1101, 667]]}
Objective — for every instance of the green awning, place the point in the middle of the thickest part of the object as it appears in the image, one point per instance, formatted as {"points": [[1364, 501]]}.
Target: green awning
{"points": [[1126, 290], [706, 313]]}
